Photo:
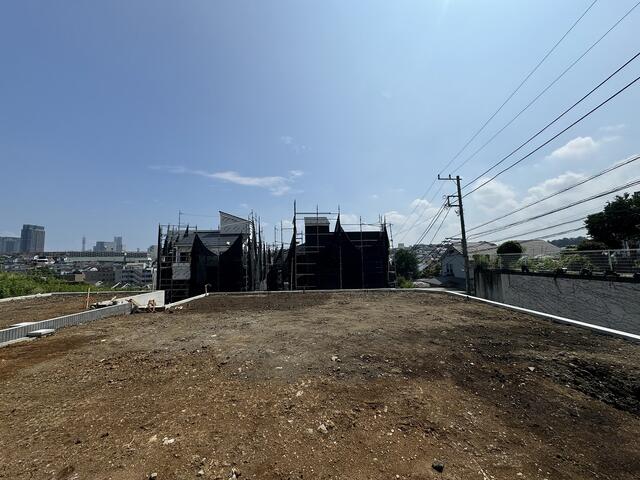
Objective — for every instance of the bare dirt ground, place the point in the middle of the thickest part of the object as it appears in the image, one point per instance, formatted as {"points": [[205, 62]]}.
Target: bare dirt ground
{"points": [[43, 308], [322, 386]]}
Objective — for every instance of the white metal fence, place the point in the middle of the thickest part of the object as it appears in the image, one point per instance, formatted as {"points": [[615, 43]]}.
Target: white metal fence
{"points": [[15, 333], [624, 263]]}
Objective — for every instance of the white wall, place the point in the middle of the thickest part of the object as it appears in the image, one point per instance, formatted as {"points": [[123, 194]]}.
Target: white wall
{"points": [[143, 298], [456, 263]]}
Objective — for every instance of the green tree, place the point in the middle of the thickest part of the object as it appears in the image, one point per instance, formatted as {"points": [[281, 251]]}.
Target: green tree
{"points": [[509, 247], [406, 263], [591, 245], [618, 222], [433, 270]]}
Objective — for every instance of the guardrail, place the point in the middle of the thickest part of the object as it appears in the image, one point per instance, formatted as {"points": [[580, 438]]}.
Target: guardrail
{"points": [[16, 333]]}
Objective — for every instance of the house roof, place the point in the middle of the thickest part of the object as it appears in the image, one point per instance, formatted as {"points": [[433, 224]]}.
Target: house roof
{"points": [[313, 221], [475, 248], [212, 239], [538, 247], [531, 247]]}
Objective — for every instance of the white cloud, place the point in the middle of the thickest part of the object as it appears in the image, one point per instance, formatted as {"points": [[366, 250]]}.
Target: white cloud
{"points": [[613, 128], [494, 196], [553, 185], [419, 203], [476, 216], [408, 227], [277, 185], [577, 148], [374, 196], [291, 143]]}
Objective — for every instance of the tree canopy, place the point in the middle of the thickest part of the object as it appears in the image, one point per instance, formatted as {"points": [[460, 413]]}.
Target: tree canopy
{"points": [[510, 247], [591, 245], [618, 222], [406, 263]]}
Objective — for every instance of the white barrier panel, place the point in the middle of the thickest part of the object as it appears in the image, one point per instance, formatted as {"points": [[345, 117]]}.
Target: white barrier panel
{"points": [[143, 299], [11, 334]]}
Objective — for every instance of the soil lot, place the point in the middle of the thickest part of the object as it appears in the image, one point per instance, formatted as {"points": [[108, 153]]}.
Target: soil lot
{"points": [[321, 386], [44, 308]]}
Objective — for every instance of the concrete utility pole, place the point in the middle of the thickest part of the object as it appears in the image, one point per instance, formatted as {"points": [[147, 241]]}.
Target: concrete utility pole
{"points": [[465, 253]]}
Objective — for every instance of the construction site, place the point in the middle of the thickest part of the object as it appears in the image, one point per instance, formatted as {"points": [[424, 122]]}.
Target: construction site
{"points": [[427, 266], [378, 384], [235, 258]]}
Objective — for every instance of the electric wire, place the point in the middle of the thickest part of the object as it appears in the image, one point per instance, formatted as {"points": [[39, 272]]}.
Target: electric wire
{"points": [[511, 95], [563, 190], [590, 112], [558, 78], [539, 230], [416, 220], [440, 226], [558, 209], [432, 222], [584, 97], [555, 234]]}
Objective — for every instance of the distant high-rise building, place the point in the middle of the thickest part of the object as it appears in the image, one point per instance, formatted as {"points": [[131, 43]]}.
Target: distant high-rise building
{"points": [[115, 246], [9, 245], [84, 243], [32, 239], [103, 246]]}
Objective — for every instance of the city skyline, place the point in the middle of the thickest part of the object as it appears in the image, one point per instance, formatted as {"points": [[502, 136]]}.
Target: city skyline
{"points": [[146, 111]]}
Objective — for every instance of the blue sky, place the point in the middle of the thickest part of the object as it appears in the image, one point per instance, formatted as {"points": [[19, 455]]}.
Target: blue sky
{"points": [[115, 115]]}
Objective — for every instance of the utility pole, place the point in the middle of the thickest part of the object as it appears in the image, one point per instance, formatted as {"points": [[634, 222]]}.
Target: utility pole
{"points": [[465, 252]]}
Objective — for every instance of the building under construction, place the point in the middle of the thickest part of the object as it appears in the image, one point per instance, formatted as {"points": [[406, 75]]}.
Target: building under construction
{"points": [[192, 261], [319, 258], [234, 258]]}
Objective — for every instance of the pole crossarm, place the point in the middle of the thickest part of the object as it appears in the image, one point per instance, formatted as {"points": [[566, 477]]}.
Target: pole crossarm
{"points": [[465, 252]]}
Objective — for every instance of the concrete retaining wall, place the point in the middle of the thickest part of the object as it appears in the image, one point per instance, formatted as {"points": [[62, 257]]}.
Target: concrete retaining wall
{"points": [[608, 303], [16, 333]]}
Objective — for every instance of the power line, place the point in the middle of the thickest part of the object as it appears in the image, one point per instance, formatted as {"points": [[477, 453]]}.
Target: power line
{"points": [[593, 110], [510, 96], [432, 222], [584, 97], [440, 226], [539, 230], [563, 190], [559, 209], [555, 234], [562, 74], [473, 137], [415, 222]]}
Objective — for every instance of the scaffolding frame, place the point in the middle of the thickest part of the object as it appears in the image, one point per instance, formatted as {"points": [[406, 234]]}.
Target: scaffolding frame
{"points": [[299, 218], [165, 261]]}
